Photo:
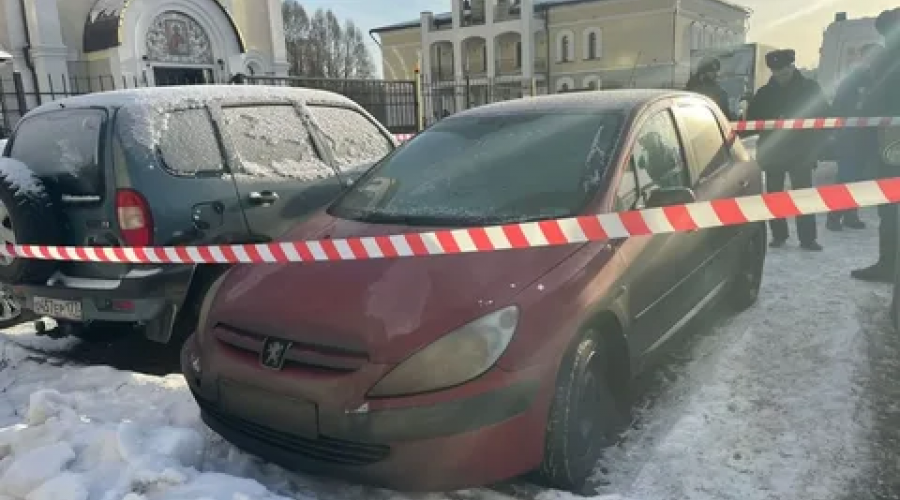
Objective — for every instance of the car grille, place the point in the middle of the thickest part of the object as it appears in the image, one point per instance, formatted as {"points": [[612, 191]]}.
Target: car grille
{"points": [[300, 355], [322, 449]]}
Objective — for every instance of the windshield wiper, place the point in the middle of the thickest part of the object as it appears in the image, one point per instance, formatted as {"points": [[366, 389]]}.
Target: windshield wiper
{"points": [[416, 220]]}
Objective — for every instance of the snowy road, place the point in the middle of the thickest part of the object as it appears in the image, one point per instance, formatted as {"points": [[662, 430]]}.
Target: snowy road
{"points": [[794, 399]]}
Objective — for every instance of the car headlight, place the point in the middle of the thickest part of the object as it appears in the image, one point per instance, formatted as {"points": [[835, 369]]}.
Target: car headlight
{"points": [[891, 154], [456, 358]]}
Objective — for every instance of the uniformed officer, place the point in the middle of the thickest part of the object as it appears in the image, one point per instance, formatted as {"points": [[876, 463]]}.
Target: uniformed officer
{"points": [[794, 153], [885, 101], [705, 81]]}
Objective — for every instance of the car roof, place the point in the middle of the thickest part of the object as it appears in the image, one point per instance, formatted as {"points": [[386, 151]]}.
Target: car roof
{"points": [[625, 100], [145, 108], [195, 95]]}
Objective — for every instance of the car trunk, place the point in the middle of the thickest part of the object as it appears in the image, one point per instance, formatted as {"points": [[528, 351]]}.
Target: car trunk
{"points": [[68, 150]]}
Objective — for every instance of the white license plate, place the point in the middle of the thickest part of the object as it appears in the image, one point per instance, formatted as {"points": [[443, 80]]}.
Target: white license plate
{"points": [[55, 308]]}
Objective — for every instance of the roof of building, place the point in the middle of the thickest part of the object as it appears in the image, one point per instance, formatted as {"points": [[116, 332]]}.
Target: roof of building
{"points": [[102, 28], [539, 5]]}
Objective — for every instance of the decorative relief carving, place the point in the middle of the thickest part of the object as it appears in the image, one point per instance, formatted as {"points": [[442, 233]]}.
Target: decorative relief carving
{"points": [[176, 38]]}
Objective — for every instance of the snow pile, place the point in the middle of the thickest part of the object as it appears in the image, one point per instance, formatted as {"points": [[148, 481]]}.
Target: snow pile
{"points": [[59, 453]]}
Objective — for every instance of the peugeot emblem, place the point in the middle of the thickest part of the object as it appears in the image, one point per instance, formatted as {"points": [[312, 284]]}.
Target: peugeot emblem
{"points": [[273, 352]]}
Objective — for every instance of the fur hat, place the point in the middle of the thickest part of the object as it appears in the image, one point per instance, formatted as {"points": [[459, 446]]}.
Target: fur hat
{"points": [[780, 59], [887, 21]]}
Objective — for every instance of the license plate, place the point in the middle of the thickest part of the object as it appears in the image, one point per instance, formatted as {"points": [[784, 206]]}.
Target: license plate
{"points": [[55, 308]]}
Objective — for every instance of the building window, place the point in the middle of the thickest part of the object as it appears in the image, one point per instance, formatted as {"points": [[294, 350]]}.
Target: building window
{"points": [[565, 52], [484, 61], [518, 54], [592, 44]]}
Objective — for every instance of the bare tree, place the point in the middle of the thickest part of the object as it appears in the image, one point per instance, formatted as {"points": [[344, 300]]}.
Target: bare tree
{"points": [[320, 46]]}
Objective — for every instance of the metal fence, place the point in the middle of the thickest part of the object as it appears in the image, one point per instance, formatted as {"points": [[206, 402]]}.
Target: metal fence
{"points": [[393, 103], [404, 107]]}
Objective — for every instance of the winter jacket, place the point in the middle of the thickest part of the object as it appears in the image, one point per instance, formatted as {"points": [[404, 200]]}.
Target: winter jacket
{"points": [[714, 91], [884, 100], [800, 98], [857, 146]]}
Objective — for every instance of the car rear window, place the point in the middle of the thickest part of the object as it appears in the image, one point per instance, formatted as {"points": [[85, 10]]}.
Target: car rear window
{"points": [[353, 138], [63, 147], [273, 142], [496, 169]]}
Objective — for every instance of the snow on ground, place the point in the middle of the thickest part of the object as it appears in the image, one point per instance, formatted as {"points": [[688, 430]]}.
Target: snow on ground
{"points": [[774, 403]]}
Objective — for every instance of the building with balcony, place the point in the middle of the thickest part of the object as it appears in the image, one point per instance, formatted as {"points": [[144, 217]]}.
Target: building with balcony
{"points": [[488, 50]]}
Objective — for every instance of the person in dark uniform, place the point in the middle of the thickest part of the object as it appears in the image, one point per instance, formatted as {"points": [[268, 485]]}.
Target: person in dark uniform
{"points": [[705, 81], [856, 149], [885, 101], [794, 153]]}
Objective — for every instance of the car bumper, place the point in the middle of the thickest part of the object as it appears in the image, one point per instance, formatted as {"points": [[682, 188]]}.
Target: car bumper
{"points": [[487, 437], [141, 299]]}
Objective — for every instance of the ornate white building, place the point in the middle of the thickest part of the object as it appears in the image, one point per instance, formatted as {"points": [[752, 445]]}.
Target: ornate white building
{"points": [[65, 43]]}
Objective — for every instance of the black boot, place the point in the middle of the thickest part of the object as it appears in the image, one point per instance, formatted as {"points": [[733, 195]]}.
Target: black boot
{"points": [[851, 220], [834, 222], [881, 272]]}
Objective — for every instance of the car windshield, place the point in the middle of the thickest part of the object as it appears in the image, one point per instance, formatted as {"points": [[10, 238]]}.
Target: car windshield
{"points": [[488, 170]]}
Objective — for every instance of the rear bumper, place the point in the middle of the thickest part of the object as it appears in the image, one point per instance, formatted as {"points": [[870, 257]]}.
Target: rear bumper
{"points": [[139, 298], [471, 441]]}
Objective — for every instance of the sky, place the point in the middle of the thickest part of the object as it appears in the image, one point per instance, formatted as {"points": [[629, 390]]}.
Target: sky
{"points": [[796, 24]]}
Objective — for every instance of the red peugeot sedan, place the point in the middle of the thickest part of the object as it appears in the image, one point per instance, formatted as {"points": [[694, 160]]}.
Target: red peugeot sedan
{"points": [[446, 372]]}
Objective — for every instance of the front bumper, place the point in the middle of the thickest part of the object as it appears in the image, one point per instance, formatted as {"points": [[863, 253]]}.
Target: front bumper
{"points": [[481, 439]]}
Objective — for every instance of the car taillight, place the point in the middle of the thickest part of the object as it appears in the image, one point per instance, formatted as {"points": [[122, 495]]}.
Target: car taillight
{"points": [[135, 219]]}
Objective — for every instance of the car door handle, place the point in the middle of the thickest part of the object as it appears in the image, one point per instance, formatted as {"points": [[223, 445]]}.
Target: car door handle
{"points": [[263, 198]]}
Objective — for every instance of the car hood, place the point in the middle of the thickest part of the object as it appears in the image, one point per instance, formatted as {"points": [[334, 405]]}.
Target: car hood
{"points": [[390, 307]]}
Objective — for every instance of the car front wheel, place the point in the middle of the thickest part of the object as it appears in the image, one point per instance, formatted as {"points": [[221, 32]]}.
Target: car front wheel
{"points": [[745, 286], [585, 418]]}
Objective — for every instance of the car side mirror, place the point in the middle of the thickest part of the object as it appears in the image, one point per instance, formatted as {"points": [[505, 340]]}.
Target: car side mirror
{"points": [[665, 197]]}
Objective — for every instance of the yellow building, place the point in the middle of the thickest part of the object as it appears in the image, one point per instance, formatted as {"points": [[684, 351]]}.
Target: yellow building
{"points": [[488, 50]]}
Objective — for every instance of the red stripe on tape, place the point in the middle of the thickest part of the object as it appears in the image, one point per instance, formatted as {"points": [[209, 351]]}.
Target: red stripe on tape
{"points": [[781, 205], [553, 233], [680, 218], [729, 212], [357, 247], [592, 228], [837, 197], [634, 223], [890, 188], [447, 241], [516, 236], [481, 239], [386, 246]]}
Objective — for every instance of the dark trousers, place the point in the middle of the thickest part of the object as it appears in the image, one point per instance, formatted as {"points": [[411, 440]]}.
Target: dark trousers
{"points": [[887, 227], [801, 177], [849, 170]]}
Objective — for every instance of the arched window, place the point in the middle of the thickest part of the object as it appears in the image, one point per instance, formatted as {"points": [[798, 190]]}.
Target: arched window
{"points": [[565, 87], [518, 54]]}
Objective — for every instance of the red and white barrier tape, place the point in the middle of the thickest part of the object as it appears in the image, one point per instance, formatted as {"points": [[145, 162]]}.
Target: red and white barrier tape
{"points": [[700, 215], [788, 124]]}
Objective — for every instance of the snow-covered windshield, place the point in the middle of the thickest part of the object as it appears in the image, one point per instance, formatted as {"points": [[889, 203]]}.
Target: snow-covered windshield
{"points": [[494, 169]]}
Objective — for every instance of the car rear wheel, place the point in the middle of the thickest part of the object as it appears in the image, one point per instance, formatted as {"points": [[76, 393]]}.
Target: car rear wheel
{"points": [[585, 418], [27, 216], [745, 286], [11, 312]]}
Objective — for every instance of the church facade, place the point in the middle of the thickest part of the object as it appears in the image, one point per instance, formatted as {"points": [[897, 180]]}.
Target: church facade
{"points": [[143, 42]]}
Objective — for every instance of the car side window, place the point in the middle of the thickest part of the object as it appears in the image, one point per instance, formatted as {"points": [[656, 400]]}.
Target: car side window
{"points": [[703, 133], [627, 194], [353, 138], [272, 141], [188, 145], [657, 157]]}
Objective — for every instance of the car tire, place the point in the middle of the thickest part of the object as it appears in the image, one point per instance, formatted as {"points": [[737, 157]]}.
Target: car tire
{"points": [[744, 288], [29, 215], [585, 418]]}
